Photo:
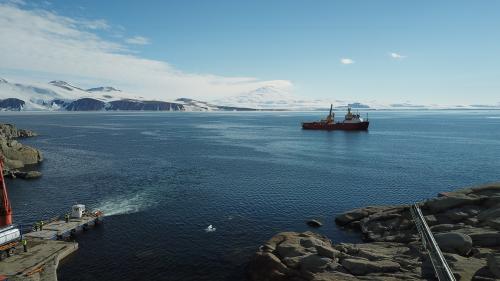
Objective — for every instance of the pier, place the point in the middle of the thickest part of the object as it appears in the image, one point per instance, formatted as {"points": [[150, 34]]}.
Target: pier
{"points": [[47, 247]]}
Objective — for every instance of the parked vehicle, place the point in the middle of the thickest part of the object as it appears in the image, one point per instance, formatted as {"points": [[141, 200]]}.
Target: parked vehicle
{"points": [[10, 238]]}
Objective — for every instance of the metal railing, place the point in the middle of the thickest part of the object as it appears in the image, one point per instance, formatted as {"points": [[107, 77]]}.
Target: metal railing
{"points": [[441, 267]]}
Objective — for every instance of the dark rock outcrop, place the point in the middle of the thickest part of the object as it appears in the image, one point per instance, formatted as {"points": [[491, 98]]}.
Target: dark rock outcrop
{"points": [[86, 104], [128, 104], [103, 89], [89, 104], [12, 104], [314, 223], [65, 85]]}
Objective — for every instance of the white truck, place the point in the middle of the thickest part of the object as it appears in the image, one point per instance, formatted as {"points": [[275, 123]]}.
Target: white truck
{"points": [[10, 237]]}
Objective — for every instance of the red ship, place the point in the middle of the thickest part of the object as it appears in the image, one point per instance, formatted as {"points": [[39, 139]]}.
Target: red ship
{"points": [[352, 122]]}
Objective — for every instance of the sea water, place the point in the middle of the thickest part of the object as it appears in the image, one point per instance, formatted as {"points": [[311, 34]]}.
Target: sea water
{"points": [[163, 178]]}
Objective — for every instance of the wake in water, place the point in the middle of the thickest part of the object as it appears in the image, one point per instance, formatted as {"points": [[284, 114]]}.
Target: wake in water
{"points": [[122, 205]]}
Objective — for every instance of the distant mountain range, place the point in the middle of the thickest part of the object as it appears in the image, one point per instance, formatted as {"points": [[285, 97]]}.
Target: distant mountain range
{"points": [[62, 96]]}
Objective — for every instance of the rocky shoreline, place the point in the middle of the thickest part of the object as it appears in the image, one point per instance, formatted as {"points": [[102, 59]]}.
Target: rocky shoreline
{"points": [[465, 223], [15, 155]]}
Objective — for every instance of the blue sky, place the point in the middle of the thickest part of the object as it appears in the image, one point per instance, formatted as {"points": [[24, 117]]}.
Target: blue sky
{"points": [[445, 52]]}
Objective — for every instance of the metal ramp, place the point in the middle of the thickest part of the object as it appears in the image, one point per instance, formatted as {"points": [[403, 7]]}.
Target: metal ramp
{"points": [[441, 267]]}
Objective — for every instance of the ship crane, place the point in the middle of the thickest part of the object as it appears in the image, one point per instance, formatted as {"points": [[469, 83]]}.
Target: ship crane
{"points": [[5, 208]]}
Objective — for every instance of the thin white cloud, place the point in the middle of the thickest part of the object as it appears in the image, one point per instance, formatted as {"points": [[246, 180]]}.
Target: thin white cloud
{"points": [[95, 24], [397, 56], [43, 42], [138, 40], [346, 61], [17, 2]]}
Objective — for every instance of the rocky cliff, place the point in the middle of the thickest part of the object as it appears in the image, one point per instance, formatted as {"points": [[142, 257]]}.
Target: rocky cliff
{"points": [[16, 155], [465, 223]]}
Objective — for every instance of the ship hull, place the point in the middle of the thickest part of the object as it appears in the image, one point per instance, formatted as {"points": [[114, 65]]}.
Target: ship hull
{"points": [[361, 126]]}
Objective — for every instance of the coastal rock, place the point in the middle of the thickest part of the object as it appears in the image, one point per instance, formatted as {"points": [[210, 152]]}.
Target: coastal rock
{"points": [[314, 263], [314, 258], [314, 223], [13, 150], [494, 264], [443, 227], [326, 251], [486, 239], [454, 242], [16, 155], [27, 175], [267, 267], [489, 214], [9, 131], [333, 276], [363, 267], [467, 268], [358, 214], [440, 204], [465, 224]]}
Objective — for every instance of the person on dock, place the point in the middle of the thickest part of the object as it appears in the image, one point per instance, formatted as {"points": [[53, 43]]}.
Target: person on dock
{"points": [[35, 226], [66, 218], [41, 225], [25, 245]]}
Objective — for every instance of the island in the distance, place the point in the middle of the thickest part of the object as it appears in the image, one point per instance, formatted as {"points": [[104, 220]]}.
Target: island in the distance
{"points": [[465, 224]]}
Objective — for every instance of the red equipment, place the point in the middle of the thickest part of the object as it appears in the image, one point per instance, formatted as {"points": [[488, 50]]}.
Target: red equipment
{"points": [[5, 208]]}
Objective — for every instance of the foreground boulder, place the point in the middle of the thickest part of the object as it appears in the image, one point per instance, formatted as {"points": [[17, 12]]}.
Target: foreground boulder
{"points": [[454, 242]]}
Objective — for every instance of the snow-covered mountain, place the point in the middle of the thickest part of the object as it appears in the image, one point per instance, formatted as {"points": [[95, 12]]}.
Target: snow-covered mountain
{"points": [[273, 98], [61, 95], [196, 105]]}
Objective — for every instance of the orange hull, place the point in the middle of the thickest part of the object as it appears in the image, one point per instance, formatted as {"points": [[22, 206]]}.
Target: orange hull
{"points": [[361, 126]]}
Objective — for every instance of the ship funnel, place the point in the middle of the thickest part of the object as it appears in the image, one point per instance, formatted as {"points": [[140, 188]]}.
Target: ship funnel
{"points": [[5, 208]]}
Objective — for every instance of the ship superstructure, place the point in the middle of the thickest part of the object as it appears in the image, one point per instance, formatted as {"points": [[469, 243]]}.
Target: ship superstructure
{"points": [[351, 122]]}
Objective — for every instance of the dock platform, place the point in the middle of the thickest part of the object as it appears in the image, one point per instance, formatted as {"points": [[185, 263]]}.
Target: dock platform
{"points": [[41, 260], [61, 230]]}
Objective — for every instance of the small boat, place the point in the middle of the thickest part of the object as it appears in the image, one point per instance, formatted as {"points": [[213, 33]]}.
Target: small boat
{"points": [[352, 122]]}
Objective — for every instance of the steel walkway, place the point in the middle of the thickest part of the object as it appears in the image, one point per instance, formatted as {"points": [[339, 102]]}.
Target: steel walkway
{"points": [[441, 267]]}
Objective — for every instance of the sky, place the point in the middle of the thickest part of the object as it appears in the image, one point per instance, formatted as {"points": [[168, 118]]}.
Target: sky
{"points": [[420, 52]]}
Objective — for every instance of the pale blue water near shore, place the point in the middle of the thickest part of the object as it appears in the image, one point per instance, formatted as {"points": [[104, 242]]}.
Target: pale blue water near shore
{"points": [[164, 177]]}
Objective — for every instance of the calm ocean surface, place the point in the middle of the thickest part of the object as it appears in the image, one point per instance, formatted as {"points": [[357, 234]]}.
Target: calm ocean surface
{"points": [[162, 178]]}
